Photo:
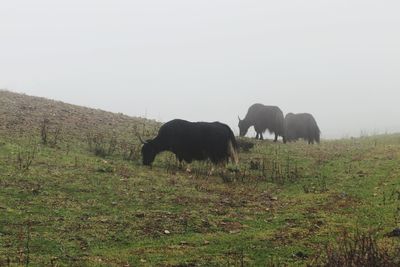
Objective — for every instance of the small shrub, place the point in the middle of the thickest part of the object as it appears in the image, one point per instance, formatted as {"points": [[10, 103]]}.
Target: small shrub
{"points": [[244, 145], [129, 151], [360, 249], [106, 169], [101, 144], [236, 257], [50, 134], [25, 157], [44, 129]]}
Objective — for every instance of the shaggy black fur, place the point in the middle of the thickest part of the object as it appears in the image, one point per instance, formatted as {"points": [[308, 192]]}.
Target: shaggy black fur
{"points": [[193, 141]]}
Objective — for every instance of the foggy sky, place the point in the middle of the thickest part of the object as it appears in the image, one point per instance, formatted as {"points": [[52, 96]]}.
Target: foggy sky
{"points": [[210, 60]]}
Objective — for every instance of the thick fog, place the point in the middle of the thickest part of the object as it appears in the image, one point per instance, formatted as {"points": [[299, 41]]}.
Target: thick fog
{"points": [[210, 60]]}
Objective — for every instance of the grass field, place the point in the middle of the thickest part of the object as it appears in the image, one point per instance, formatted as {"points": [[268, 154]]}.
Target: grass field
{"points": [[84, 199]]}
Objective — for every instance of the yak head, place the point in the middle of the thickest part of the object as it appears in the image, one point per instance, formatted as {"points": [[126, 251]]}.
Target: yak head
{"points": [[148, 153], [244, 126]]}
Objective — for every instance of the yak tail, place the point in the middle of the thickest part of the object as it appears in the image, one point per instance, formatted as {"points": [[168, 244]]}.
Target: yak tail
{"points": [[232, 152], [233, 147]]}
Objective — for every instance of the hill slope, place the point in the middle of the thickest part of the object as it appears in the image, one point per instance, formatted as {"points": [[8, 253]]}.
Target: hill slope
{"points": [[295, 204], [19, 112]]}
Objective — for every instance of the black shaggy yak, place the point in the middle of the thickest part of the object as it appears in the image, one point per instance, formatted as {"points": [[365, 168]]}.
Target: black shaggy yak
{"points": [[301, 125], [192, 141], [263, 118]]}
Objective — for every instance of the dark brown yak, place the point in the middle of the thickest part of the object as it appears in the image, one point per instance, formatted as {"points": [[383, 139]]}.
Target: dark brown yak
{"points": [[263, 118], [301, 125]]}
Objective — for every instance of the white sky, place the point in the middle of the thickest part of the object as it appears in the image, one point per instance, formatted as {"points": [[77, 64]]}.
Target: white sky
{"points": [[210, 59]]}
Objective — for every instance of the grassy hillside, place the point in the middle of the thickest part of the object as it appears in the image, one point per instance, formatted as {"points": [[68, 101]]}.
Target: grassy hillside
{"points": [[21, 113], [83, 198]]}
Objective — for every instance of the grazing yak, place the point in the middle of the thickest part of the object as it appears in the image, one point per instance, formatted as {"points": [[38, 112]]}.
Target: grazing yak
{"points": [[192, 141], [301, 125], [263, 118]]}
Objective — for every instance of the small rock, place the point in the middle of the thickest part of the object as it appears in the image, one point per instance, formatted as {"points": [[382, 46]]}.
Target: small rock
{"points": [[394, 233], [35, 191], [274, 198], [206, 242], [167, 232], [143, 261], [140, 215], [300, 255]]}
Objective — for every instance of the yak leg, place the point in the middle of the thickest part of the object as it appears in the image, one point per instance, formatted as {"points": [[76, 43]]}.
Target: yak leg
{"points": [[261, 136], [211, 171], [180, 162], [180, 165], [276, 137], [257, 136]]}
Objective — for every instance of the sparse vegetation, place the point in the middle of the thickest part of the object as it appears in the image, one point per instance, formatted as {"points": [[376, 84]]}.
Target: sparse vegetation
{"points": [[361, 249], [50, 134], [282, 205], [101, 144], [25, 156]]}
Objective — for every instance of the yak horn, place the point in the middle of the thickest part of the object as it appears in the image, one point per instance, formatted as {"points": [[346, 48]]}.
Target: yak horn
{"points": [[141, 140], [239, 118]]}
